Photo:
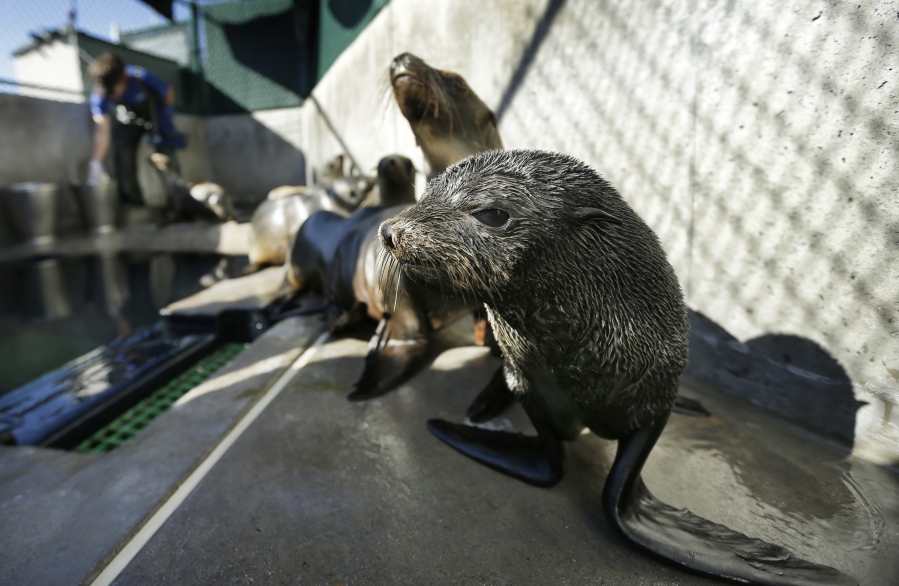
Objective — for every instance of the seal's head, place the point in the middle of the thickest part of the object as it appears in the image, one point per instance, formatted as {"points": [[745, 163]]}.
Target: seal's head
{"points": [[564, 265], [486, 224], [162, 162], [396, 180], [331, 171], [448, 119]]}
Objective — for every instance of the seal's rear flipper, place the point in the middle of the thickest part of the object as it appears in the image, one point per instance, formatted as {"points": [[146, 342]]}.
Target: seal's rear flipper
{"points": [[493, 400], [691, 541], [535, 460]]}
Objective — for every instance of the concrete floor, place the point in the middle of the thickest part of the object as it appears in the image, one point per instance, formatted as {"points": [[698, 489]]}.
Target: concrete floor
{"points": [[319, 490]]}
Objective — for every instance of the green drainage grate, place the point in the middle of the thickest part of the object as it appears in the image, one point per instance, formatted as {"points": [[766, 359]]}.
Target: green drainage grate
{"points": [[132, 421]]}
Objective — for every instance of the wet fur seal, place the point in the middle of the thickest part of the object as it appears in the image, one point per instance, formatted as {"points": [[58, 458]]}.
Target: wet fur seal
{"points": [[193, 201], [594, 333], [339, 257], [449, 120]]}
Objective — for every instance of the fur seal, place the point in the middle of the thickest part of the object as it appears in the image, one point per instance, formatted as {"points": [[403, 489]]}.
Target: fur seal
{"points": [[449, 120], [340, 258], [593, 330], [193, 201]]}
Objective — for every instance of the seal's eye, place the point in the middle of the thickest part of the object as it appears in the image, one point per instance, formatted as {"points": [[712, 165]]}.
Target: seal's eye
{"points": [[492, 218]]}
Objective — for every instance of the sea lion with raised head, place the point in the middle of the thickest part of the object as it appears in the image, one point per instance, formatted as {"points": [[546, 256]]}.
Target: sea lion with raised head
{"points": [[193, 201], [593, 329], [449, 120], [339, 257]]}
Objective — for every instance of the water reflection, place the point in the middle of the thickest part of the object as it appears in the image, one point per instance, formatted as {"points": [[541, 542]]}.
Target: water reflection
{"points": [[53, 310], [109, 289], [45, 295], [34, 412]]}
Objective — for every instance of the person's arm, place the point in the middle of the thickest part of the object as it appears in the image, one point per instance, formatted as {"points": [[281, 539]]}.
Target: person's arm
{"points": [[102, 134]]}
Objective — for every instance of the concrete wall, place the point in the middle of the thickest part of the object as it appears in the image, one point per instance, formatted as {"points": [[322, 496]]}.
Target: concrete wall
{"points": [[759, 139], [250, 154]]}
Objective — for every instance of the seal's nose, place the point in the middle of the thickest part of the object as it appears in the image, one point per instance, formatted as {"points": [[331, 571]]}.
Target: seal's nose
{"points": [[400, 60], [386, 233], [384, 166]]}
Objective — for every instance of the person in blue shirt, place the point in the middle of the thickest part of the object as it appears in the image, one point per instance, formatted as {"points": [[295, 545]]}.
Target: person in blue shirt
{"points": [[128, 102]]}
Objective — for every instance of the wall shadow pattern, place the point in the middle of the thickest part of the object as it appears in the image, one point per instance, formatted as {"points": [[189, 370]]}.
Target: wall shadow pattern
{"points": [[778, 223]]}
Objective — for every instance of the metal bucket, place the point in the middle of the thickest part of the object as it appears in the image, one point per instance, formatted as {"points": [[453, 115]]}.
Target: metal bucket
{"points": [[100, 204], [32, 207]]}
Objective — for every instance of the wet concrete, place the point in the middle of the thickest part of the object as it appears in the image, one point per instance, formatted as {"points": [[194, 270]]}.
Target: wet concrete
{"points": [[254, 291], [64, 513], [323, 491]]}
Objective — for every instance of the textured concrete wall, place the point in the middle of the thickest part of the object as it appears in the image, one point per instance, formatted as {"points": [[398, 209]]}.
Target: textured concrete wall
{"points": [[759, 139], [249, 154]]}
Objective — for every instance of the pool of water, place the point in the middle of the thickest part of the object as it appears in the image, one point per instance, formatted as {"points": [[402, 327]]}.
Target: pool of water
{"points": [[54, 310]]}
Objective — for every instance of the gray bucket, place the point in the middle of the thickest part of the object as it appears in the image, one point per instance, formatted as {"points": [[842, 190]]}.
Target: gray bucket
{"points": [[100, 204], [32, 207]]}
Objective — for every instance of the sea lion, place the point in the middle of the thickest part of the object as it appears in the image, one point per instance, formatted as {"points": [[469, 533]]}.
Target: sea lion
{"points": [[593, 329], [339, 257], [276, 221], [193, 201], [332, 170], [449, 120], [316, 242]]}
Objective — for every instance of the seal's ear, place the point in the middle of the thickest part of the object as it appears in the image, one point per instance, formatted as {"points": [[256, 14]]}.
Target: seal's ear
{"points": [[582, 215]]}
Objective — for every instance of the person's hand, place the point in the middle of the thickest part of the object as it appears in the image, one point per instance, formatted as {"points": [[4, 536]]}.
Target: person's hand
{"points": [[96, 171]]}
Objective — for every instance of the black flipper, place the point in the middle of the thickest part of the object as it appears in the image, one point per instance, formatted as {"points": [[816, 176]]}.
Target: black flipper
{"points": [[691, 541], [386, 365], [366, 387], [691, 407], [536, 460], [493, 400]]}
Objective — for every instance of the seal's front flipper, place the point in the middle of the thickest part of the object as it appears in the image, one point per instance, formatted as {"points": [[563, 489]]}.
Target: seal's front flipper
{"points": [[535, 460], [687, 406], [341, 321], [691, 541], [390, 361], [493, 400]]}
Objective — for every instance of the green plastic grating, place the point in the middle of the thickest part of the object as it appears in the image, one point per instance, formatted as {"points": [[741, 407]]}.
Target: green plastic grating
{"points": [[132, 421]]}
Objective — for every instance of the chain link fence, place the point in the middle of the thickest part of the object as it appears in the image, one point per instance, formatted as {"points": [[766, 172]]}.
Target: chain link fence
{"points": [[220, 56]]}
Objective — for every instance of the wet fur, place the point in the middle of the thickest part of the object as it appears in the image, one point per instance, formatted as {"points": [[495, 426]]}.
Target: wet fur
{"points": [[449, 120], [600, 307]]}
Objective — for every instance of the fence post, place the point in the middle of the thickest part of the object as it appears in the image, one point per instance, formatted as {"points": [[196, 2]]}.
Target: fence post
{"points": [[196, 65]]}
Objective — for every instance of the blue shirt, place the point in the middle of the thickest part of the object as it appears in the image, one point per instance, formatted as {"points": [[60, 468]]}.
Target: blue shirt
{"points": [[134, 94]]}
